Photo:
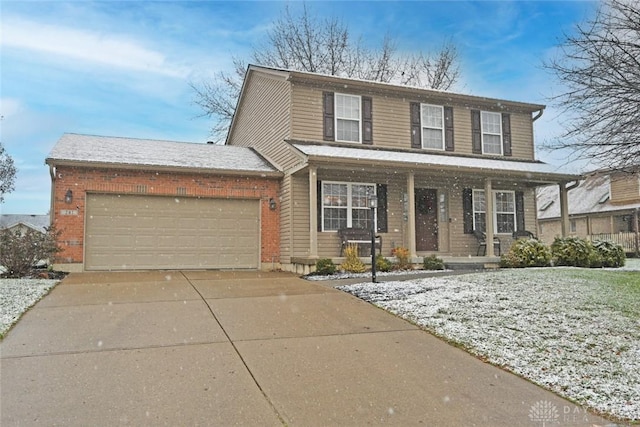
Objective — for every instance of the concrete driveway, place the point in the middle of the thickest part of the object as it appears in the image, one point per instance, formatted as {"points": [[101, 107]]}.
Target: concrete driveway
{"points": [[245, 348]]}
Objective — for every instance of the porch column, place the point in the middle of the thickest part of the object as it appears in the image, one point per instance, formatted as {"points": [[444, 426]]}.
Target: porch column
{"points": [[488, 206], [411, 215], [313, 212], [564, 209]]}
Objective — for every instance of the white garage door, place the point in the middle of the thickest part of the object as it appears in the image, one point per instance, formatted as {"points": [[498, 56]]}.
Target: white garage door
{"points": [[125, 232]]}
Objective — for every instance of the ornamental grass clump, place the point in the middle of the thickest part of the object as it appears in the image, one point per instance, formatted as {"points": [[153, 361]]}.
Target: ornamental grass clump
{"points": [[526, 253], [402, 258], [352, 263]]}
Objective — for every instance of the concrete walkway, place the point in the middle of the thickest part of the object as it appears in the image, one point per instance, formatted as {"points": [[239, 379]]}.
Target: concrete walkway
{"points": [[245, 348]]}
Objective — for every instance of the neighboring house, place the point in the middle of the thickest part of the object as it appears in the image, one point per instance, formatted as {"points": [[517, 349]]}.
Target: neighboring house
{"points": [[23, 223], [602, 206], [123, 203], [429, 157]]}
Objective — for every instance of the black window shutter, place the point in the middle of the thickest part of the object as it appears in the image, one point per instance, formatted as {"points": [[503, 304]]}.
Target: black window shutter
{"points": [[328, 132], [381, 192], [319, 203], [476, 132], [367, 120], [416, 132], [448, 129], [520, 211], [467, 210], [506, 134]]}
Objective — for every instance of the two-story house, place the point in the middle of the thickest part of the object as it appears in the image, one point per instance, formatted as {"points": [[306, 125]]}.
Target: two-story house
{"points": [[605, 205], [440, 164], [304, 156]]}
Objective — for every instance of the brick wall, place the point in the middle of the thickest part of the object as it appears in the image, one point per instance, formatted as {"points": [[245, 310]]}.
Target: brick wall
{"points": [[69, 218]]}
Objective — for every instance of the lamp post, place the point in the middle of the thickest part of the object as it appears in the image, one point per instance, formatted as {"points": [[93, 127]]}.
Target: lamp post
{"points": [[373, 204]]}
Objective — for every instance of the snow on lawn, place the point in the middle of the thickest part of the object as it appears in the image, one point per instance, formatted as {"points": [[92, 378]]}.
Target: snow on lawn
{"points": [[17, 295], [562, 328]]}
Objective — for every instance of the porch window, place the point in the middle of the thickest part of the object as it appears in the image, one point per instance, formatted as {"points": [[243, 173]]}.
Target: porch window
{"points": [[505, 211], [504, 219], [345, 205], [432, 126], [347, 117], [479, 211], [491, 133]]}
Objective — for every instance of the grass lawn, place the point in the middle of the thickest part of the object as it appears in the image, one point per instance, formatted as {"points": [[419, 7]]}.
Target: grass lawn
{"points": [[574, 331]]}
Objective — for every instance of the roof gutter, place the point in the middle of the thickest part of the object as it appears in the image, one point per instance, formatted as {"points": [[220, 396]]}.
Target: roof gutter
{"points": [[160, 168]]}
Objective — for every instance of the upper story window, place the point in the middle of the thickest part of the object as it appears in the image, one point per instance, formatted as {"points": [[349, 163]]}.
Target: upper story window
{"points": [[491, 133], [432, 126], [347, 117]]}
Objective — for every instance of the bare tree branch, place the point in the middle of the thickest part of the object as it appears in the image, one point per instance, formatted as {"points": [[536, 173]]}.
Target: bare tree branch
{"points": [[600, 69], [307, 43], [7, 173]]}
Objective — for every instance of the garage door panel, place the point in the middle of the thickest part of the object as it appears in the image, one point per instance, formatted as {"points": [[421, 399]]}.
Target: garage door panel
{"points": [[145, 232]]}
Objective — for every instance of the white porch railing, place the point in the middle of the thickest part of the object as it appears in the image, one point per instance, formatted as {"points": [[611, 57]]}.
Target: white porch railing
{"points": [[628, 240]]}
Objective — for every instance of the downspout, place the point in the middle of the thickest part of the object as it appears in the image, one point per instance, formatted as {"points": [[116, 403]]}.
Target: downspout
{"points": [[52, 173], [636, 226], [537, 116]]}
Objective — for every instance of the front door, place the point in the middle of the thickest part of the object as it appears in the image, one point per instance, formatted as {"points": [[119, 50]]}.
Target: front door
{"points": [[426, 219]]}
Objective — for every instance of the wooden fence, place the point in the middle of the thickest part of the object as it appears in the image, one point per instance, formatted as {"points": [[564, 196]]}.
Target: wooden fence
{"points": [[629, 240]]}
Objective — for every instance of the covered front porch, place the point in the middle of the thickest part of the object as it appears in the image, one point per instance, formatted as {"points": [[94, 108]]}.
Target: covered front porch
{"points": [[427, 203]]}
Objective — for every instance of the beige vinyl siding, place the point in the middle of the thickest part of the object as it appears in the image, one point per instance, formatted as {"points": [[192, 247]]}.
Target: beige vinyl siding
{"points": [[625, 188], [286, 223], [391, 125], [263, 120], [300, 215], [522, 137]]}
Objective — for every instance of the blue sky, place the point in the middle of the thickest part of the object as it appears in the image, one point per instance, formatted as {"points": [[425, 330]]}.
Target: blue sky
{"points": [[122, 68]]}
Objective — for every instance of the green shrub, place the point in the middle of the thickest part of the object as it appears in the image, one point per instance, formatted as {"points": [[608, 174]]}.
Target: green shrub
{"points": [[574, 251], [526, 253], [383, 264], [402, 258], [352, 263], [325, 267], [610, 254], [432, 263]]}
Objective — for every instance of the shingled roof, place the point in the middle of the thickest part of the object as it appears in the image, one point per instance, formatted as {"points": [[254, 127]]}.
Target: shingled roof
{"points": [[108, 151]]}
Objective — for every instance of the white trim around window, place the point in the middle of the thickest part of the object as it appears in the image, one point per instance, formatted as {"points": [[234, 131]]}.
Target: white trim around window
{"points": [[432, 120], [345, 205], [504, 212], [348, 117], [491, 130]]}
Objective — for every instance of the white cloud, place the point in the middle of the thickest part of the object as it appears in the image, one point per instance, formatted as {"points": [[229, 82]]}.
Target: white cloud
{"points": [[10, 107], [95, 47]]}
